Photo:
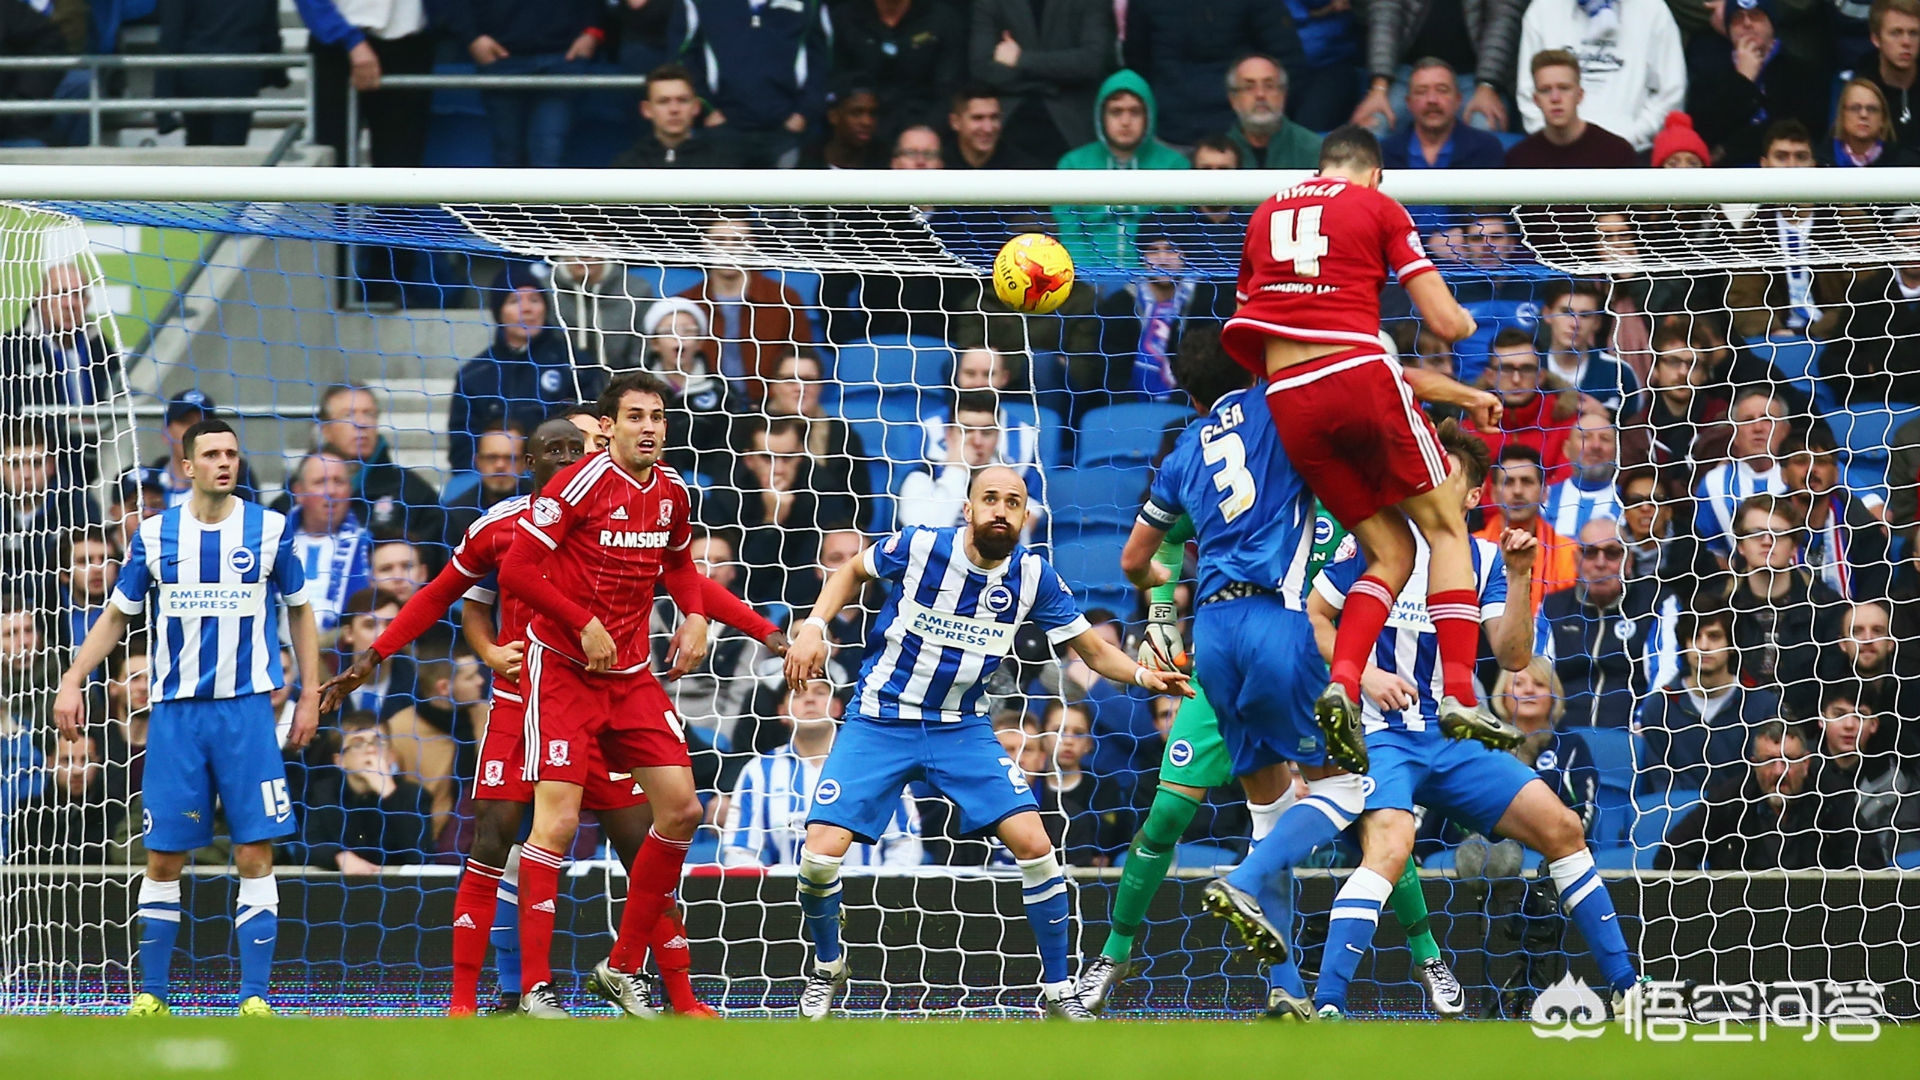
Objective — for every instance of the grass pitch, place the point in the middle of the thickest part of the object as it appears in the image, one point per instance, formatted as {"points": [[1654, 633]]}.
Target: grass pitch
{"points": [[362, 1049]]}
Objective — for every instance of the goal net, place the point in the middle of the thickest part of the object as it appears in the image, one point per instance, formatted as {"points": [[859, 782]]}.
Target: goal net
{"points": [[1708, 425]]}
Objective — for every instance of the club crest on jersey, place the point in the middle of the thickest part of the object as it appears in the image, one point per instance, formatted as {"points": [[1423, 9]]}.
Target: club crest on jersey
{"points": [[546, 511], [1322, 530], [666, 513], [1546, 760], [241, 560], [997, 599], [494, 774], [826, 793], [1180, 753], [559, 752], [550, 381]]}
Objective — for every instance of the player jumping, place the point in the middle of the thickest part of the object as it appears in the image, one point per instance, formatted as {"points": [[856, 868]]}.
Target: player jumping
{"points": [[211, 573], [1240, 550], [918, 713], [1482, 788], [500, 792], [1315, 258]]}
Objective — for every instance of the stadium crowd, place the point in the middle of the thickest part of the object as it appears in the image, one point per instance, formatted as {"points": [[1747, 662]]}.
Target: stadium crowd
{"points": [[1720, 635]]}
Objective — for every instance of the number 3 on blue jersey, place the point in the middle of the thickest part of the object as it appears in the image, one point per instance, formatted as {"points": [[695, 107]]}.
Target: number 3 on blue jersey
{"points": [[1228, 452]]}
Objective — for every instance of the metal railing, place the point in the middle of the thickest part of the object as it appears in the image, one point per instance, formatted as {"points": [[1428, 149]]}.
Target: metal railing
{"points": [[514, 83], [96, 106]]}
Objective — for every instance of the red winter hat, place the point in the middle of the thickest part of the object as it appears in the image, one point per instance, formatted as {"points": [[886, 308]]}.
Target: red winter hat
{"points": [[1677, 135]]}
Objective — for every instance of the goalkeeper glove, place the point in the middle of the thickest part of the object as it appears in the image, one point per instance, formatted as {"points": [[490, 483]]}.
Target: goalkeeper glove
{"points": [[1162, 648]]}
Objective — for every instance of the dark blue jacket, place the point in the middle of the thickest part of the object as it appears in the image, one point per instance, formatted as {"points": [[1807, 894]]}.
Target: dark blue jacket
{"points": [[1686, 752], [757, 68], [1184, 47], [525, 27], [507, 384], [1467, 148]]}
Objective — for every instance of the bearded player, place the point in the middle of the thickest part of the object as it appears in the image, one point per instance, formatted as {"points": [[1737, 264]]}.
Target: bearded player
{"points": [[597, 539], [499, 790], [1315, 258], [919, 713]]}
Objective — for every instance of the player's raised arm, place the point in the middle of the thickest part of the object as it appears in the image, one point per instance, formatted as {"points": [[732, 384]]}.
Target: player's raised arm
{"points": [[807, 652], [1511, 635], [1106, 658], [1482, 407], [724, 607], [1439, 311], [416, 617], [520, 573]]}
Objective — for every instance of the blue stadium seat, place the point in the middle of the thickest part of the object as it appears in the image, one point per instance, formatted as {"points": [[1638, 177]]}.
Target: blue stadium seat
{"points": [[1132, 430], [1471, 355], [1089, 560], [1104, 494], [1866, 432], [1907, 860], [1797, 361], [669, 280], [1615, 751], [1654, 817], [1202, 856], [1448, 859]]}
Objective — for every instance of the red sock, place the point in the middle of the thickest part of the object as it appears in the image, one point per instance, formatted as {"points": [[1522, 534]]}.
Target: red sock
{"points": [[650, 888], [472, 922], [539, 889], [669, 945], [1361, 620], [1456, 623]]}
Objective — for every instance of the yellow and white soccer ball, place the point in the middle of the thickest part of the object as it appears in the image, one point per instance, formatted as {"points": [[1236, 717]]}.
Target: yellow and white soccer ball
{"points": [[1033, 273]]}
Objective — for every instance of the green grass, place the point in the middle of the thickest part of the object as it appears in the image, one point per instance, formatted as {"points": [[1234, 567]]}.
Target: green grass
{"points": [[362, 1049]]}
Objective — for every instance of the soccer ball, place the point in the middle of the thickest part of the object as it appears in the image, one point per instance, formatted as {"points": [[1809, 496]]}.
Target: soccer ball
{"points": [[1033, 273]]}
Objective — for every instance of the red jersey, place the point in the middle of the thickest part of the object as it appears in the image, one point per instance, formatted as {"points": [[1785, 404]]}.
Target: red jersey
{"points": [[1315, 258], [479, 555], [611, 538]]}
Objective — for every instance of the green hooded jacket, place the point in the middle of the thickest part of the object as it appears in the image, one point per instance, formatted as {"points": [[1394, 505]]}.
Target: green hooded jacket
{"points": [[1103, 235]]}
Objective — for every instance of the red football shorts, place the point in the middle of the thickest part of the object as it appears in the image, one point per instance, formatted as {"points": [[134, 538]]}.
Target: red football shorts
{"points": [[571, 712], [502, 775], [1349, 424]]}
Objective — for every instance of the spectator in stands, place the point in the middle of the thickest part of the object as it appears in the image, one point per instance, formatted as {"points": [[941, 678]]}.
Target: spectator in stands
{"points": [[1536, 412], [26, 30], [72, 818], [184, 410], [717, 696], [215, 28], [393, 502], [1588, 492], [89, 562], [1435, 138], [1894, 30], [602, 304], [853, 117], [913, 53], [1126, 744], [1141, 322], [978, 126], [1532, 700], [1843, 538], [1760, 430], [1610, 640], [1085, 814], [1874, 358], [1795, 301], [499, 459], [766, 815], [1847, 723], [1768, 819], [1104, 235], [935, 494], [700, 411], [752, 316], [434, 740], [331, 544], [57, 356], [1781, 609], [396, 567], [1565, 140], [358, 45], [1571, 316], [839, 456], [1697, 726], [1683, 412], [1185, 47], [521, 376], [674, 138], [1656, 547], [136, 496], [1518, 490], [1678, 146], [1741, 84], [1862, 133], [1479, 36], [366, 616], [1046, 68], [783, 510], [1868, 653], [1632, 66], [528, 37], [917, 147], [764, 77], [1257, 88], [40, 506], [361, 815], [984, 369]]}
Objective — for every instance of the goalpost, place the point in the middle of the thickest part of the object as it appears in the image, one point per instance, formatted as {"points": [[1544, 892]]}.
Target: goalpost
{"points": [[230, 282]]}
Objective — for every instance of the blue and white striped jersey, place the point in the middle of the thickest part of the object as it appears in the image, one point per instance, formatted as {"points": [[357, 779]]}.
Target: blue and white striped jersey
{"points": [[767, 818], [947, 624], [1252, 513], [1570, 505], [1719, 496], [1408, 647], [213, 593]]}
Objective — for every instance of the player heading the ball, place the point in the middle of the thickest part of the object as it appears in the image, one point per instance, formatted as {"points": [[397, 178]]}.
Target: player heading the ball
{"points": [[918, 713], [1315, 258]]}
